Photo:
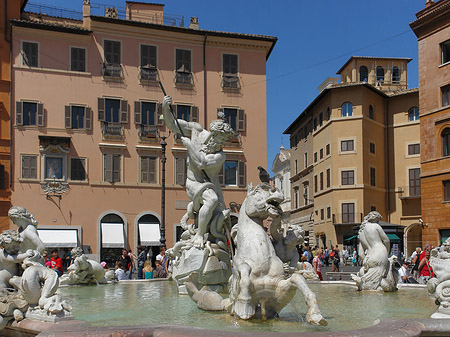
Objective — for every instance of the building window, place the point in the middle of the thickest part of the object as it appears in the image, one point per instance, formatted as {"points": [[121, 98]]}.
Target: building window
{"points": [[315, 184], [148, 169], [112, 167], [363, 74], [347, 145], [372, 176], [347, 177], [446, 142], [327, 150], [53, 167], [296, 198], [371, 113], [77, 59], [184, 112], [112, 54], [445, 95], [29, 167], [372, 147], [296, 166], [380, 74], [413, 149], [183, 73], [78, 169], [328, 114], [446, 185], [2, 177], [395, 75], [414, 182], [306, 194], [29, 113], [445, 51], [315, 157], [347, 109], [413, 114], [230, 173], [315, 123], [77, 117], [321, 153], [328, 212], [230, 78], [148, 70], [30, 54], [180, 171], [322, 214], [348, 212], [328, 178], [306, 159], [320, 118], [321, 181]]}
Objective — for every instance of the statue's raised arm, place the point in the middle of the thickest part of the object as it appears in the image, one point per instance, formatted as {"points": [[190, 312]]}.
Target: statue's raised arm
{"points": [[177, 125]]}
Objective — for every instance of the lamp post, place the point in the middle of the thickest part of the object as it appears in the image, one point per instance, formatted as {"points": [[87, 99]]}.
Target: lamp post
{"points": [[162, 226]]}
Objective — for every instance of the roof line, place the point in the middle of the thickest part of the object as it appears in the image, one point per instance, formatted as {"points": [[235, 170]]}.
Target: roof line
{"points": [[372, 57], [49, 26]]}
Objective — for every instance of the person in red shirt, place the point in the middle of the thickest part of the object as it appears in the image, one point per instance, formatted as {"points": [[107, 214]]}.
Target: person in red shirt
{"points": [[56, 263]]}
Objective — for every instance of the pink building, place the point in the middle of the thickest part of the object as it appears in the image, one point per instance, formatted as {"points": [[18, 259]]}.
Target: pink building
{"points": [[86, 129]]}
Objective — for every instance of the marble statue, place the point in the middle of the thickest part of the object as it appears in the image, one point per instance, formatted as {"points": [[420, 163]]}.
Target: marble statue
{"points": [[260, 285], [373, 248], [202, 251], [83, 270], [30, 294], [439, 286]]}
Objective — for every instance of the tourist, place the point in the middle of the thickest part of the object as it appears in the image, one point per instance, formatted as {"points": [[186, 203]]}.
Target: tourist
{"points": [[307, 254], [56, 263], [120, 272], [46, 259], [355, 257], [133, 258], [345, 256], [415, 260], [327, 256], [425, 270], [104, 266], [67, 258], [142, 256], [126, 262], [335, 266], [403, 274], [160, 271], [317, 264], [148, 270], [161, 257]]}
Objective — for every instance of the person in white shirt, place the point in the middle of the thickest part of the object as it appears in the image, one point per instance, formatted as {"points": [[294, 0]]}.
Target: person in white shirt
{"points": [[120, 273], [404, 275]]}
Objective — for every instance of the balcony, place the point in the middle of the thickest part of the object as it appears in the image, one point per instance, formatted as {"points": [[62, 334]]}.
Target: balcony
{"points": [[347, 218], [148, 132], [112, 130], [148, 75], [408, 192], [184, 78], [112, 71], [231, 82]]}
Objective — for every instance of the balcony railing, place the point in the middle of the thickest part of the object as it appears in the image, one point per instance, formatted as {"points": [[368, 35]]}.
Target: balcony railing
{"points": [[231, 81], [347, 218], [113, 130], [148, 74], [148, 131], [183, 78], [409, 192], [112, 71]]}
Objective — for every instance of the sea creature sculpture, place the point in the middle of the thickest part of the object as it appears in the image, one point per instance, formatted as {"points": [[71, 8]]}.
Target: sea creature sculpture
{"points": [[439, 286], [83, 270]]}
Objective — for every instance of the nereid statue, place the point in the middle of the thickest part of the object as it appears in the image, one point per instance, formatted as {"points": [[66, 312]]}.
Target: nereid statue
{"points": [[378, 272], [83, 270], [439, 286]]}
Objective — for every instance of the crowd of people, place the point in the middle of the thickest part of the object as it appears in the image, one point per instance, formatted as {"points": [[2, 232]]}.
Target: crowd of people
{"points": [[417, 268]]}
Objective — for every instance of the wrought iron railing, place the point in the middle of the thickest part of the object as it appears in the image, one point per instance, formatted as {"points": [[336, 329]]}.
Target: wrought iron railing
{"points": [[183, 78], [231, 82], [148, 131], [112, 129], [111, 70], [148, 74]]}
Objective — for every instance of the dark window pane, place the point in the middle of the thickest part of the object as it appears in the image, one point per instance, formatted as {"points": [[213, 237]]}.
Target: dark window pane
{"points": [[230, 117], [230, 172], [112, 107], [183, 112], [446, 142], [363, 74], [29, 113], [148, 113]]}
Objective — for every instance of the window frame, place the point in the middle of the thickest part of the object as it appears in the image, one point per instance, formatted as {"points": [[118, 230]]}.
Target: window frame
{"points": [[155, 158], [63, 158], [372, 147], [121, 174], [85, 159], [347, 141], [361, 79], [445, 94], [446, 190], [411, 149], [350, 215], [373, 176], [412, 189], [345, 109], [445, 138], [36, 178], [396, 78], [85, 58], [371, 112], [37, 56], [378, 75], [347, 180], [120, 52], [236, 173], [413, 114], [445, 53]]}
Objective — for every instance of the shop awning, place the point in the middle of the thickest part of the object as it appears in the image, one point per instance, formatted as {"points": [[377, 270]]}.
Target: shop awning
{"points": [[57, 238], [393, 237], [112, 235], [149, 234], [351, 238]]}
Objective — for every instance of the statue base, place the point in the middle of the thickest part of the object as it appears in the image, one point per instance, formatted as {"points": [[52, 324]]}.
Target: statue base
{"points": [[43, 315]]}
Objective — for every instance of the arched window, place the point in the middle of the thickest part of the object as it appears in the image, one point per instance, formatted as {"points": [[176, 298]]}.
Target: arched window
{"points": [[371, 114], [395, 75], [413, 114], [112, 237], [328, 113], [446, 142], [380, 74], [363, 74], [347, 109]]}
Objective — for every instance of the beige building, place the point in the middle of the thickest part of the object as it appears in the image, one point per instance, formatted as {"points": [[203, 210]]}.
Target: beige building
{"points": [[86, 131], [358, 146]]}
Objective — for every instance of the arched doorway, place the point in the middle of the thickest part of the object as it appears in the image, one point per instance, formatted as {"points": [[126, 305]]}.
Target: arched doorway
{"points": [[148, 234], [112, 238]]}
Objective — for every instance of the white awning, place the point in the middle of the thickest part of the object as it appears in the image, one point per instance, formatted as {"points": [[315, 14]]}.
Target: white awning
{"points": [[149, 234], [55, 238], [112, 235]]}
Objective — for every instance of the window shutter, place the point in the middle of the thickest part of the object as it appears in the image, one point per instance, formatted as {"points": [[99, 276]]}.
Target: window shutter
{"points": [[101, 109], [25, 167], [67, 117], [108, 166], [241, 120], [221, 177], [180, 171], [194, 114], [144, 169], [152, 170], [241, 174], [32, 167], [19, 113], [137, 112], [40, 114], [116, 168], [88, 118], [124, 111], [159, 121]]}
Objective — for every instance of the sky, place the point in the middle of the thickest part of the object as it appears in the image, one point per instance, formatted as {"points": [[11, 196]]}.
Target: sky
{"points": [[315, 38]]}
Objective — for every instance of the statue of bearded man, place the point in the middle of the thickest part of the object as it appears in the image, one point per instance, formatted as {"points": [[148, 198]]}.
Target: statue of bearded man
{"points": [[205, 159]]}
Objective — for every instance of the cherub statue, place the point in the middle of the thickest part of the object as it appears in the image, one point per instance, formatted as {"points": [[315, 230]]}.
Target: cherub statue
{"points": [[27, 228]]}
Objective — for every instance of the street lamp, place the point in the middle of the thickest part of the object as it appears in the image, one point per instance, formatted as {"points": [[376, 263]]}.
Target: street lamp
{"points": [[162, 225]]}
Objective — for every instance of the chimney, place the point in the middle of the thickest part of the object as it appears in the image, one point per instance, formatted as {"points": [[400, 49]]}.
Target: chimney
{"points": [[86, 13], [429, 3], [194, 23]]}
